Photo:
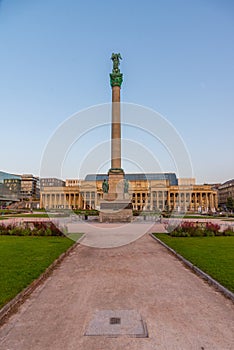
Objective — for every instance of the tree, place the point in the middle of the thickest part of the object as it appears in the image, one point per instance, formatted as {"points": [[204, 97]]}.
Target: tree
{"points": [[230, 203]]}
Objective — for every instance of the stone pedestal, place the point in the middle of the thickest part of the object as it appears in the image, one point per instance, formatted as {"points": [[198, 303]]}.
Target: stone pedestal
{"points": [[116, 182], [115, 211], [116, 205]]}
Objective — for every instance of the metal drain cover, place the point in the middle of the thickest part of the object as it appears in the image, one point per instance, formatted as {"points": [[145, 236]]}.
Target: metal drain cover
{"points": [[114, 323]]}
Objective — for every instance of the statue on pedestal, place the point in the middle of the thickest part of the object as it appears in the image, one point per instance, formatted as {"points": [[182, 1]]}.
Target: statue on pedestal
{"points": [[105, 186], [126, 186]]}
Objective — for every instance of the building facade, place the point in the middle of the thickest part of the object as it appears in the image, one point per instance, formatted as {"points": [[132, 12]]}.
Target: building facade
{"points": [[225, 191], [13, 185], [10, 186], [30, 187], [149, 192], [51, 182]]}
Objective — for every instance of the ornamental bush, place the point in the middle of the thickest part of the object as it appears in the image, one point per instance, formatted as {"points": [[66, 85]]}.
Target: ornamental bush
{"points": [[37, 228], [197, 229], [211, 229], [228, 231]]}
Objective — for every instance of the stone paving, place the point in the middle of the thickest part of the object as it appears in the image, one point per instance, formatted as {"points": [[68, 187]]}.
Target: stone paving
{"points": [[180, 310]]}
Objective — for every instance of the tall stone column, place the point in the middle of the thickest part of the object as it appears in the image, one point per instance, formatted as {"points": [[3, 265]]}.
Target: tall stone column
{"points": [[116, 203], [115, 129], [116, 79], [116, 173]]}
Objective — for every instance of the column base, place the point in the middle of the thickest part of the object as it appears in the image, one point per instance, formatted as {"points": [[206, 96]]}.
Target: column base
{"points": [[115, 211]]}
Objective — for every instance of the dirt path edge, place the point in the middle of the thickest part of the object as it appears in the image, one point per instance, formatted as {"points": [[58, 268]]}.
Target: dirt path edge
{"points": [[12, 306], [211, 281]]}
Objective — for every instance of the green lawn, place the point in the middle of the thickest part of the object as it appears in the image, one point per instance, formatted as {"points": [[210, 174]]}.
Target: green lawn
{"points": [[33, 215], [23, 259], [213, 255]]}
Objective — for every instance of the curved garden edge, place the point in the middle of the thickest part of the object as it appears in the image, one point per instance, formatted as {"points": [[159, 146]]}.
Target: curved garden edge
{"points": [[12, 306], [227, 293]]}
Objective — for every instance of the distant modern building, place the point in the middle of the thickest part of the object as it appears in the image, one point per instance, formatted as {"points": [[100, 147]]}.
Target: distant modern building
{"points": [[225, 191], [8, 176], [10, 185], [30, 187], [13, 185], [151, 192]]}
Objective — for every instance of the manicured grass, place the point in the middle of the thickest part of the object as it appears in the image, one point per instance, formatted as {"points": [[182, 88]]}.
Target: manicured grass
{"points": [[23, 259], [41, 215], [37, 215], [213, 255]]}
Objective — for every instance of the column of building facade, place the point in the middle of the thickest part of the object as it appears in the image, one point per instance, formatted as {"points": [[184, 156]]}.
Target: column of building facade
{"points": [[152, 199], [206, 201], [84, 199], [179, 200], [69, 200], [184, 201], [216, 200], [59, 200], [168, 200], [90, 199], [96, 199], [195, 201], [163, 200], [52, 200], [189, 201], [174, 200], [48, 200], [200, 200], [157, 199], [63, 200], [80, 201], [72, 200]]}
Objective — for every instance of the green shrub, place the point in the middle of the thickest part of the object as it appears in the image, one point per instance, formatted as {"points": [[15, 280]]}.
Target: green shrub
{"points": [[32, 229], [209, 233], [197, 229], [228, 231]]}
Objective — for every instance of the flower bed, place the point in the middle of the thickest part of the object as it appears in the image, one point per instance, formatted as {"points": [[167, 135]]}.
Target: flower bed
{"points": [[36, 228], [197, 229]]}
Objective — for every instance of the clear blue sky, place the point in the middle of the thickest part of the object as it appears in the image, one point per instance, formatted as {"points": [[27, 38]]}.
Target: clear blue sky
{"points": [[178, 59]]}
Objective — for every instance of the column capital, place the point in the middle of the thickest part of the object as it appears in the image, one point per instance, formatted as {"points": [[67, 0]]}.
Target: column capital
{"points": [[116, 79]]}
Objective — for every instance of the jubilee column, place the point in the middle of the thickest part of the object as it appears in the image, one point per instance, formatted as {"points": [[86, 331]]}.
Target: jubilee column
{"points": [[115, 205], [116, 79], [116, 173]]}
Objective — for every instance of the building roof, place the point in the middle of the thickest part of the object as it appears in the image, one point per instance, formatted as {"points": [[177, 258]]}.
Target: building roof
{"points": [[138, 177], [227, 184], [4, 176]]}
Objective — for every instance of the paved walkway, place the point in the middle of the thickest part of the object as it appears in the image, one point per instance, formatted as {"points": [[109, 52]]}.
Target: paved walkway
{"points": [[181, 311]]}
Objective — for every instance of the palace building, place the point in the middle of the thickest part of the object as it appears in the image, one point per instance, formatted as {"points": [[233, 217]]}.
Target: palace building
{"points": [[148, 192]]}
